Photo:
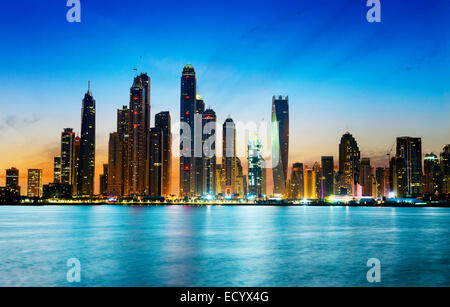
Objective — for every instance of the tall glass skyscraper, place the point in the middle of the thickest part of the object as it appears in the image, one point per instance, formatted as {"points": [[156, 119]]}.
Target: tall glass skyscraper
{"points": [[432, 175], [137, 143], [155, 162], [280, 143], [86, 162], [188, 106], [327, 176], [163, 122], [410, 149], [229, 162], [349, 162], [67, 156], [57, 169], [366, 177], [255, 165], [297, 188], [209, 153]]}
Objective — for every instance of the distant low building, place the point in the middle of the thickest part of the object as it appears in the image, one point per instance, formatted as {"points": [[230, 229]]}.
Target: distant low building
{"points": [[57, 191], [9, 196]]}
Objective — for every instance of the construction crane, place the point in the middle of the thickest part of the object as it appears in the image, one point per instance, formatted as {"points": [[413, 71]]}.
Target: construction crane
{"points": [[389, 152]]}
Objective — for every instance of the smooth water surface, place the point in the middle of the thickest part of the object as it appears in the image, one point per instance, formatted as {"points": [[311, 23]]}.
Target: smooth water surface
{"points": [[224, 246]]}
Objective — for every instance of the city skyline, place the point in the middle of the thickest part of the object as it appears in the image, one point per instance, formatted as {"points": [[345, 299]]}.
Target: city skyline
{"points": [[375, 73], [137, 88], [141, 157]]}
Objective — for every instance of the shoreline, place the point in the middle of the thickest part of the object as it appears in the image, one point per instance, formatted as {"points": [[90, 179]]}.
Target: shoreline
{"points": [[386, 205]]}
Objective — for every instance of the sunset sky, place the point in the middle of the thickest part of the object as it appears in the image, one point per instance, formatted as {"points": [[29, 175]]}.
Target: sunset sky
{"points": [[378, 81]]}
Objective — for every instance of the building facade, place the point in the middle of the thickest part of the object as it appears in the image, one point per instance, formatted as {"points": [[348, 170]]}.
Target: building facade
{"points": [[280, 143], [86, 160], [34, 187], [410, 149]]}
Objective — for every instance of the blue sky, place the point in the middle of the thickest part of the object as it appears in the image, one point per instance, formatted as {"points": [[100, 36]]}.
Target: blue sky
{"points": [[379, 80]]}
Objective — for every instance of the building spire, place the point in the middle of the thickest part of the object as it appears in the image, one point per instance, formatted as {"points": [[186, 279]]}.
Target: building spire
{"points": [[89, 87]]}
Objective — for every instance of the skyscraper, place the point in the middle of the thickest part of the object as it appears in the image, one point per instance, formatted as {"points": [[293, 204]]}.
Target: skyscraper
{"points": [[163, 122], [104, 180], [432, 175], [318, 175], [349, 156], [12, 179], [137, 151], [366, 177], [398, 170], [75, 165], [255, 165], [67, 156], [380, 178], [209, 152], [327, 177], [297, 181], [188, 99], [199, 140], [115, 165], [34, 187], [86, 162], [229, 158], [155, 162], [410, 149], [445, 169], [280, 143], [57, 169], [310, 183], [123, 138]]}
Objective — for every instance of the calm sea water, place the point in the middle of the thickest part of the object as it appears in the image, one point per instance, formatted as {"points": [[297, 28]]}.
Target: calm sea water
{"points": [[224, 246]]}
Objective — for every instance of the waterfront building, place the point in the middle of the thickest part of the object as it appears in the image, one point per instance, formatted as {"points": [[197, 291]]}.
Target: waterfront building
{"points": [[280, 143]]}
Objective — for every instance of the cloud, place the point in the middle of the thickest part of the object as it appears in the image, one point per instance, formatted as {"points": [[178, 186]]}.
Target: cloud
{"points": [[18, 122]]}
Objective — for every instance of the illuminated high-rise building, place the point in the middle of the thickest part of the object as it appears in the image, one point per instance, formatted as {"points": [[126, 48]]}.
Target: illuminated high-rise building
{"points": [[57, 169], [327, 182], [229, 162], [445, 169], [76, 163], [86, 161], [163, 122], [12, 179], [280, 143], [209, 152], [137, 151], [398, 169], [432, 175], [380, 178], [199, 140], [410, 149], [366, 177], [155, 162], [115, 165], [219, 171], [255, 166], [67, 156], [318, 170], [121, 151], [349, 156], [297, 184], [310, 183], [264, 179], [34, 187], [188, 106]]}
